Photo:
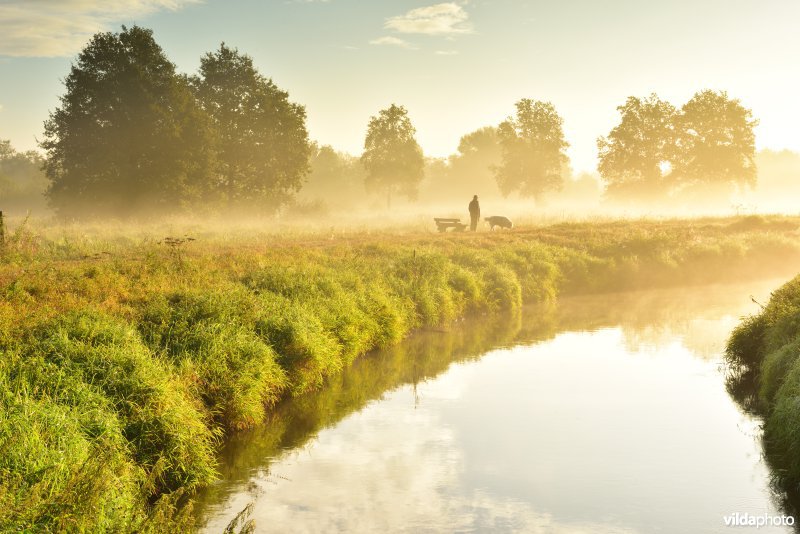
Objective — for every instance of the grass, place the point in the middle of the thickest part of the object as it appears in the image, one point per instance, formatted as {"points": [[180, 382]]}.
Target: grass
{"points": [[126, 357], [764, 353]]}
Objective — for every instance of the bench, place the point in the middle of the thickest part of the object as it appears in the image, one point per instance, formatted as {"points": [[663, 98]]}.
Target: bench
{"points": [[442, 224]]}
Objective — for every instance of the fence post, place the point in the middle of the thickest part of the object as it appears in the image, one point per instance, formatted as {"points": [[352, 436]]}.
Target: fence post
{"points": [[2, 231]]}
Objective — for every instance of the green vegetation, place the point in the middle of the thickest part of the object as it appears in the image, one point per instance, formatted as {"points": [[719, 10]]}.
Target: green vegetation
{"points": [[133, 137], [260, 137], [127, 357], [129, 136], [764, 355]]}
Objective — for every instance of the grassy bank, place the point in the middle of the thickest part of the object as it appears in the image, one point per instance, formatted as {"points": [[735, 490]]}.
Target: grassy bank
{"points": [[127, 357], [764, 355]]}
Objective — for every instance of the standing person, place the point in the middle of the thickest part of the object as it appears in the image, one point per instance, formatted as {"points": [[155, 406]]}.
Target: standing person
{"points": [[474, 213]]}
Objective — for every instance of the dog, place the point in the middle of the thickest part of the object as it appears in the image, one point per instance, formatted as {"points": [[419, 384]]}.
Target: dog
{"points": [[499, 220]]}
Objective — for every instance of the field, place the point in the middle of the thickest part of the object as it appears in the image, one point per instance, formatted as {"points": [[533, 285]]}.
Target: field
{"points": [[128, 354]]}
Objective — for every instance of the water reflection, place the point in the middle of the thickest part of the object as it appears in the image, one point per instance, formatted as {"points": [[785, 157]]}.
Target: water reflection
{"points": [[603, 414]]}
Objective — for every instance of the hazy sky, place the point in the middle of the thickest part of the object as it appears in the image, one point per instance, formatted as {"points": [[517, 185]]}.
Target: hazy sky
{"points": [[456, 66]]}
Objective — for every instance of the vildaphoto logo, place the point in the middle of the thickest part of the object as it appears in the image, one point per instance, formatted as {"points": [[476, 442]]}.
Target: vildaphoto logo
{"points": [[745, 519]]}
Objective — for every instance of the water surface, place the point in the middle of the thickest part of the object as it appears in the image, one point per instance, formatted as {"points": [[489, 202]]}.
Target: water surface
{"points": [[603, 414]]}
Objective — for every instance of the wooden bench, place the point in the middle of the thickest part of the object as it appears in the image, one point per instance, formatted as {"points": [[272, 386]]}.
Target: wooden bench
{"points": [[442, 224]]}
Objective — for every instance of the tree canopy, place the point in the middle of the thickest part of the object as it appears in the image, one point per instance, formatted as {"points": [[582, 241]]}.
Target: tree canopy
{"points": [[716, 142], [656, 151], [478, 153], [392, 157], [636, 155], [261, 137], [128, 135], [532, 145]]}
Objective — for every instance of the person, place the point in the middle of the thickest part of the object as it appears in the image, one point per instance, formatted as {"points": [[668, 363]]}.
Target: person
{"points": [[474, 213]]}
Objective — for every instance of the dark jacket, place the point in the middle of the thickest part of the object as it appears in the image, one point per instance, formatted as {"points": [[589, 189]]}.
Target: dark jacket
{"points": [[474, 209]]}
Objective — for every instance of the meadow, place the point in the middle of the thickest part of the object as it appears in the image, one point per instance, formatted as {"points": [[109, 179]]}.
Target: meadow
{"points": [[130, 353]]}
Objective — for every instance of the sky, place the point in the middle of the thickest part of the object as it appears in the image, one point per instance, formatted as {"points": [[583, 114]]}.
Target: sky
{"points": [[456, 66]]}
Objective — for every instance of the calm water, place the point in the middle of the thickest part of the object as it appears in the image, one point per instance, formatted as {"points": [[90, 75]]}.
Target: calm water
{"points": [[604, 414]]}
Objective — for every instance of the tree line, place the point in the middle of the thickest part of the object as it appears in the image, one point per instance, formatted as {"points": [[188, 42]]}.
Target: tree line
{"points": [[132, 135]]}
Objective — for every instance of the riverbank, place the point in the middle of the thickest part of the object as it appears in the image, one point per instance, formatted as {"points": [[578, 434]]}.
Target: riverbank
{"points": [[763, 353], [126, 357]]}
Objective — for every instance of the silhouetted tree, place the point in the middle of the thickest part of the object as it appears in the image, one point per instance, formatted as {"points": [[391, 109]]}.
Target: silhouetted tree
{"points": [[392, 157], [716, 143], [128, 134], [637, 154], [532, 145], [261, 137]]}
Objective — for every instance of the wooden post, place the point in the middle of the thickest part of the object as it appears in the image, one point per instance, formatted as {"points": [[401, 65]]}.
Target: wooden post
{"points": [[2, 231]]}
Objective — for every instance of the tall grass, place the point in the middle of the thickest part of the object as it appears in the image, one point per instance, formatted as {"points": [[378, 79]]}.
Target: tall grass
{"points": [[765, 350], [125, 359]]}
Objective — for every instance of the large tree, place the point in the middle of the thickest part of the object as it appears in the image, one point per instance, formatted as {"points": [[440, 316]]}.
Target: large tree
{"points": [[532, 144], [716, 143], [262, 139], [128, 135], [392, 158], [636, 156]]}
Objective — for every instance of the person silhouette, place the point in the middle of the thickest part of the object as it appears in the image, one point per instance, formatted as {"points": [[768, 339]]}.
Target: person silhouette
{"points": [[474, 213]]}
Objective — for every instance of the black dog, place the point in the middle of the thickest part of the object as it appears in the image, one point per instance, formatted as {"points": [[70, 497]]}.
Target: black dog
{"points": [[499, 220]]}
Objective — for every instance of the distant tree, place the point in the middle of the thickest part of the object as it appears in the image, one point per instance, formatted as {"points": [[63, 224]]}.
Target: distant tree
{"points": [[532, 144], [128, 134], [467, 172], [336, 178], [261, 137], [716, 143], [392, 158], [472, 168], [636, 156], [22, 182], [482, 143]]}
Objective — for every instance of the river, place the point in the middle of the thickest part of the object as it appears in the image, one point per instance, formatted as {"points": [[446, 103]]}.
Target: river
{"points": [[601, 414]]}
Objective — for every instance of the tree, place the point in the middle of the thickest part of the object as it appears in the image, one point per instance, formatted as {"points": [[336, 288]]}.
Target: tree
{"points": [[532, 146], [22, 182], [128, 135], [392, 158], [336, 179], [716, 143], [262, 139], [469, 171], [637, 154], [479, 152]]}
